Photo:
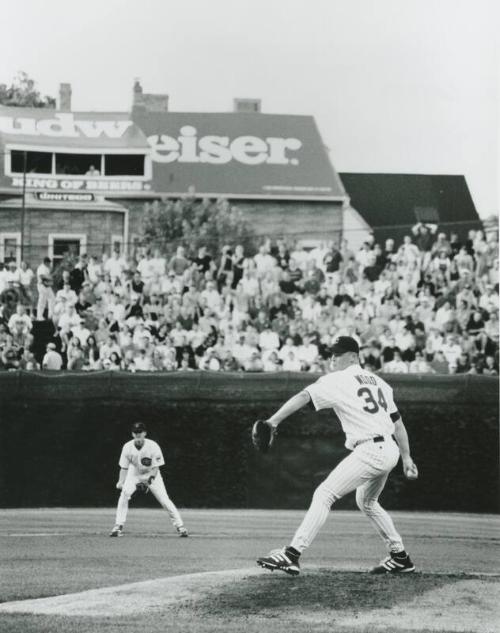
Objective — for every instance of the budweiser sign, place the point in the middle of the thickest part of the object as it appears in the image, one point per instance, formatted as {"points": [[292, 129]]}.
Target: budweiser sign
{"points": [[188, 147], [63, 125]]}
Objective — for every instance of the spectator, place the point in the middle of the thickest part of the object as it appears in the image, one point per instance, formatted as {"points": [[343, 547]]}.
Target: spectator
{"points": [[75, 353], [20, 325], [254, 363], [52, 360], [45, 292], [291, 362], [420, 365], [396, 365]]}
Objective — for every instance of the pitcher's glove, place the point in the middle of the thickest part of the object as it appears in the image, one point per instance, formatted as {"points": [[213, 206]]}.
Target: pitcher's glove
{"points": [[263, 435], [142, 487]]}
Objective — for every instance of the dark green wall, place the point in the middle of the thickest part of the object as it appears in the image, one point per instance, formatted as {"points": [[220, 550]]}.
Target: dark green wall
{"points": [[61, 436]]}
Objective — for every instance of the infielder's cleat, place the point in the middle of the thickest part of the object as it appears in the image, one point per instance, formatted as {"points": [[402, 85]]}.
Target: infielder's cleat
{"points": [[182, 532], [278, 559], [117, 531], [394, 564]]}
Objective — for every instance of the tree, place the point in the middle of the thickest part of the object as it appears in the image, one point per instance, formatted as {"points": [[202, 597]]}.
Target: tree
{"points": [[193, 223], [23, 93]]}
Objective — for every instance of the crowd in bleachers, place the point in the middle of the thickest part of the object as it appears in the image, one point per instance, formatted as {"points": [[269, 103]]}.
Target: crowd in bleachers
{"points": [[428, 305]]}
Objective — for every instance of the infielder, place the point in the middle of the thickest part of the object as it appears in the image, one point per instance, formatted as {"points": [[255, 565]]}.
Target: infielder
{"points": [[375, 434], [140, 463]]}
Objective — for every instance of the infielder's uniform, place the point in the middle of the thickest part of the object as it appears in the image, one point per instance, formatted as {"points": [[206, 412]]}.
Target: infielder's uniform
{"points": [[139, 464], [365, 407]]}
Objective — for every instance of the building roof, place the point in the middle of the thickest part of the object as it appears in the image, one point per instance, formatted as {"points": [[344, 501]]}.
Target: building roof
{"points": [[392, 203], [240, 155]]}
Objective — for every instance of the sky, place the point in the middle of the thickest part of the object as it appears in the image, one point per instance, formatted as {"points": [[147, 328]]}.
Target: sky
{"points": [[396, 86]]}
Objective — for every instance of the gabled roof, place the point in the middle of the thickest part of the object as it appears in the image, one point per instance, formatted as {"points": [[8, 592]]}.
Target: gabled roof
{"points": [[392, 203]]}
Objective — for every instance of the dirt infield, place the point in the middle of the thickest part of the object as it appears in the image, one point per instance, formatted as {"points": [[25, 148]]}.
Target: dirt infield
{"points": [[62, 572]]}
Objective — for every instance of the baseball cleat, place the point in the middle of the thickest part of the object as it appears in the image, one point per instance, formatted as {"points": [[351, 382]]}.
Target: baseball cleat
{"points": [[394, 564], [278, 559], [117, 531], [182, 532]]}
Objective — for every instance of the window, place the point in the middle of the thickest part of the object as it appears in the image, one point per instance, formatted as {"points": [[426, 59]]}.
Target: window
{"points": [[10, 247], [53, 163], [124, 165], [78, 164], [61, 245], [36, 162]]}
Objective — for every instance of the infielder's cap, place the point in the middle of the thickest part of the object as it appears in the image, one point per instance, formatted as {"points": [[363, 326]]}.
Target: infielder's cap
{"points": [[138, 427], [344, 344]]}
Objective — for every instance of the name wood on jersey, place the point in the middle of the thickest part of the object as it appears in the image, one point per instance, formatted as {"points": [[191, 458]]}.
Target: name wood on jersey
{"points": [[365, 380]]}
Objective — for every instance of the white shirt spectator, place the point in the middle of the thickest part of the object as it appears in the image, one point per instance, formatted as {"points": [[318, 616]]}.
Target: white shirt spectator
{"points": [[13, 275], [114, 266], [42, 272], [268, 340], [263, 262], [420, 366], [147, 269], [288, 347], [52, 360], [307, 353], [69, 320], [452, 352], [19, 323], [143, 362], [69, 295], [26, 276], [178, 335], [250, 285], [159, 264], [242, 351], [489, 301], [404, 339], [171, 284], [107, 348], [212, 297], [311, 309], [292, 363], [94, 269], [81, 333], [396, 366], [209, 361], [196, 337]]}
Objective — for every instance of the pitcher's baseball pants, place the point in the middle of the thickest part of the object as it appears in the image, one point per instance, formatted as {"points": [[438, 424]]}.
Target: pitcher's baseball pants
{"points": [[365, 470]]}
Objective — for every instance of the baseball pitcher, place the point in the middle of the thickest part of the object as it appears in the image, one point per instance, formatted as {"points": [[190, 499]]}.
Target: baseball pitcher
{"points": [[376, 437], [140, 463]]}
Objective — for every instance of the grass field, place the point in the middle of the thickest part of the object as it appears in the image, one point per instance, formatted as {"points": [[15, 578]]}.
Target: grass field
{"points": [[60, 572]]}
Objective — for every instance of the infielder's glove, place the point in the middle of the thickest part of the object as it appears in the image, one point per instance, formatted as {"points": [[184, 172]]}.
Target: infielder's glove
{"points": [[143, 487], [263, 435]]}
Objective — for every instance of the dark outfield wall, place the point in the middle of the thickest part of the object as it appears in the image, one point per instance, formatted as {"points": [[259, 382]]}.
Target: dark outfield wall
{"points": [[61, 435]]}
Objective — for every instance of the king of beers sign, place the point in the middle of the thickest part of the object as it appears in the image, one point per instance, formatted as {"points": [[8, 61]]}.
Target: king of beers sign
{"points": [[184, 145]]}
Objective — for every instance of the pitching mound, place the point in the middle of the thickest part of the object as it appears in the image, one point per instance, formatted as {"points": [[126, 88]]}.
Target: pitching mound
{"points": [[347, 600]]}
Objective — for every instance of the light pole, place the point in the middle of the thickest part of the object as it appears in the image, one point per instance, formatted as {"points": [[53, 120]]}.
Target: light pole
{"points": [[23, 202]]}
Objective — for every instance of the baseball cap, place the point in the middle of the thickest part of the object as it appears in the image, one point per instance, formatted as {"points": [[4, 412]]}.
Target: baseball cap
{"points": [[138, 427], [344, 344]]}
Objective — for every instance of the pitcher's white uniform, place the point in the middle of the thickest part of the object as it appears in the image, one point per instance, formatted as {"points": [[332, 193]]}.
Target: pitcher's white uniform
{"points": [[139, 464], [365, 407]]}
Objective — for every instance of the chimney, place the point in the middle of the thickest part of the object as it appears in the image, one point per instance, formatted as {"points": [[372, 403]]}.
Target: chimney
{"points": [[246, 105], [146, 102], [65, 97], [137, 96]]}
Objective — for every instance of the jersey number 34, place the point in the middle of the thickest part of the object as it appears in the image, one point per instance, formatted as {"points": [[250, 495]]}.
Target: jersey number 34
{"points": [[372, 405]]}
